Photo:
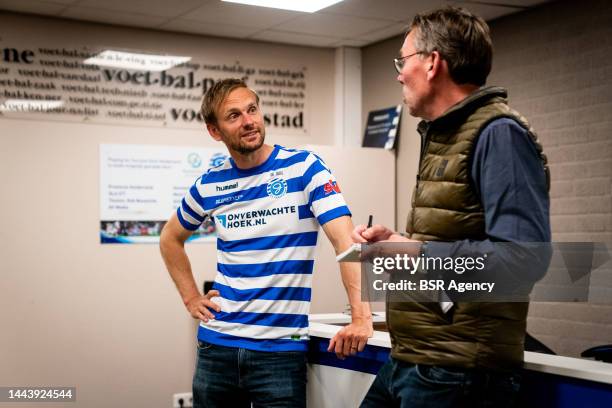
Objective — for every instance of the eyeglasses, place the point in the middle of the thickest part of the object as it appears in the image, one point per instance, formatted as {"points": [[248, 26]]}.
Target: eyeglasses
{"points": [[399, 62]]}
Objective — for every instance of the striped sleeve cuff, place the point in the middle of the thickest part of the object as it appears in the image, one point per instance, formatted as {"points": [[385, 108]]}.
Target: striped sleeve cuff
{"points": [[186, 224], [333, 214]]}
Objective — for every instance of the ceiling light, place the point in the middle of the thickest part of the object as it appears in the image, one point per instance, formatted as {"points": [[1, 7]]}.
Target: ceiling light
{"points": [[307, 6], [130, 60], [28, 105]]}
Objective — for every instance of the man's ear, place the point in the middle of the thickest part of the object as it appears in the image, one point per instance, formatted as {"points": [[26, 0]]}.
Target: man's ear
{"points": [[435, 65], [214, 132]]}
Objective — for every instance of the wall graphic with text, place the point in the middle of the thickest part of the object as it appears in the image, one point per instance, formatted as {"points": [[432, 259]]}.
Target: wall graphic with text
{"points": [[83, 84]]}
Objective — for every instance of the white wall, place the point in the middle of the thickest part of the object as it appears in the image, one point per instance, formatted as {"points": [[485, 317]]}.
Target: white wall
{"points": [[381, 90], [348, 97]]}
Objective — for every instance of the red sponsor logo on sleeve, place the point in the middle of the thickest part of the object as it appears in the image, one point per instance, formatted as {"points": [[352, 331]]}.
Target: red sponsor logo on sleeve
{"points": [[331, 186]]}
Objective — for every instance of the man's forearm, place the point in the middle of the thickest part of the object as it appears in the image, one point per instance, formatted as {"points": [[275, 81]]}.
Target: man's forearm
{"points": [[179, 267], [339, 233], [351, 279]]}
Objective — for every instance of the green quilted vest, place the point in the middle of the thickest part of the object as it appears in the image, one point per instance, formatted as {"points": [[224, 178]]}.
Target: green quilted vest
{"points": [[445, 206]]}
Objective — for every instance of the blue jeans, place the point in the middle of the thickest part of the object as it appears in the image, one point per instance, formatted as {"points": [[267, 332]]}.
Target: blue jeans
{"points": [[400, 384], [236, 377]]}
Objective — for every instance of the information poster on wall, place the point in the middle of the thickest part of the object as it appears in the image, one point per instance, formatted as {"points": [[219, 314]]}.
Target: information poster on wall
{"points": [[142, 185], [382, 127]]}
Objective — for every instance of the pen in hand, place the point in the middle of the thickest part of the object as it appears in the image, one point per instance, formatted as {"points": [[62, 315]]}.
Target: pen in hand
{"points": [[370, 219]]}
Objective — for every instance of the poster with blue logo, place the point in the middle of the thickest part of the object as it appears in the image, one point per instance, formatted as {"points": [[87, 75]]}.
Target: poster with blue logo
{"points": [[142, 185], [382, 127]]}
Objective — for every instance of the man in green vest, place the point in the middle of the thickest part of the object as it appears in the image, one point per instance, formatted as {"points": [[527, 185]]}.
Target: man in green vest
{"points": [[482, 179]]}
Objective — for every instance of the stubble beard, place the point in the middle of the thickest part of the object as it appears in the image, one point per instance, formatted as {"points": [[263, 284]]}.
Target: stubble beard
{"points": [[244, 148]]}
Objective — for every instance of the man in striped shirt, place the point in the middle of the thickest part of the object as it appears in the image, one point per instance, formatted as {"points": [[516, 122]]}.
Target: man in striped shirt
{"points": [[267, 203]]}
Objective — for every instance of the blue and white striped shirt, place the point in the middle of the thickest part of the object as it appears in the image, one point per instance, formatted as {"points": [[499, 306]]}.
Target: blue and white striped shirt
{"points": [[267, 221]]}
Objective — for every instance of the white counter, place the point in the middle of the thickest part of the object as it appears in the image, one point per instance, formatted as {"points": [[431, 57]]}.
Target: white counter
{"points": [[321, 326]]}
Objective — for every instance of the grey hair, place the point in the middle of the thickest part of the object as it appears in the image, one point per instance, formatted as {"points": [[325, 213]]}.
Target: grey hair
{"points": [[462, 39]]}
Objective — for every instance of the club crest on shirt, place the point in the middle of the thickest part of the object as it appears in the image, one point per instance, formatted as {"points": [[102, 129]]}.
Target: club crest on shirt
{"points": [[217, 159], [277, 187]]}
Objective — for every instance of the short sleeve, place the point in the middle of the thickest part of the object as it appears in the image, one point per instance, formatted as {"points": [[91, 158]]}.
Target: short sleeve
{"points": [[191, 213], [325, 199]]}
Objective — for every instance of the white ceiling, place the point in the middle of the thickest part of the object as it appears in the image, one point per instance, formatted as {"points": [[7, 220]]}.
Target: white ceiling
{"points": [[353, 23]]}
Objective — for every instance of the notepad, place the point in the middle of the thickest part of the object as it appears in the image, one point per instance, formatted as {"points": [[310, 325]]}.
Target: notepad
{"points": [[352, 254]]}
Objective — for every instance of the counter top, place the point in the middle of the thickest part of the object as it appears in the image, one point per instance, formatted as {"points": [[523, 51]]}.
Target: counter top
{"points": [[326, 325]]}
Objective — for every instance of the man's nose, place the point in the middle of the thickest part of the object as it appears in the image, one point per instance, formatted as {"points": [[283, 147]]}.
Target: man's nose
{"points": [[247, 120], [399, 79]]}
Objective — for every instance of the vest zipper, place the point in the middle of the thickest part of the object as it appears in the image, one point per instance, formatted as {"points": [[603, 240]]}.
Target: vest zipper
{"points": [[424, 143]]}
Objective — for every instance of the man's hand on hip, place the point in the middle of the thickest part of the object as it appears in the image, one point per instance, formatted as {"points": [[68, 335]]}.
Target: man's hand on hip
{"points": [[198, 306]]}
